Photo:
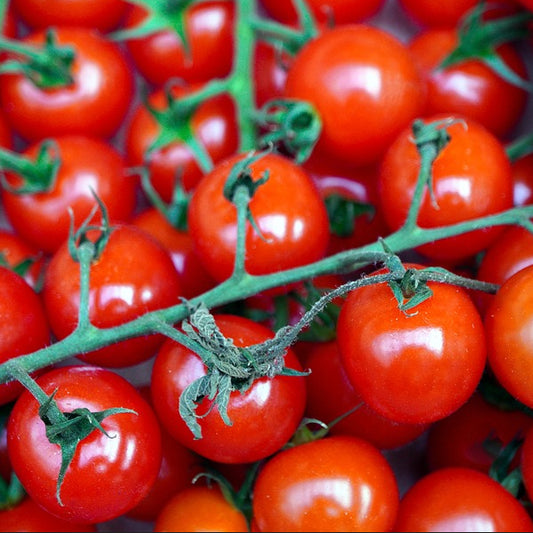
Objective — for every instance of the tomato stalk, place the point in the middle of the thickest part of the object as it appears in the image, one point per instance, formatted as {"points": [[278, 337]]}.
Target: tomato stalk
{"points": [[47, 66]]}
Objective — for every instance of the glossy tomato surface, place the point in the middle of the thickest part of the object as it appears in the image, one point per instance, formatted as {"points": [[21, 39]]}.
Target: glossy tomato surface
{"points": [[123, 465]]}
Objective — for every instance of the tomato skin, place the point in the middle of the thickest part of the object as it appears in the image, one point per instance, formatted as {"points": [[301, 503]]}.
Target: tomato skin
{"points": [[270, 72], [88, 165], [123, 468], [200, 508], [102, 15], [24, 325], [522, 169], [331, 394], [134, 275], [95, 104], [160, 57], [526, 462], [469, 88], [213, 124], [507, 323], [336, 11], [337, 483], [365, 87], [471, 177], [288, 210], [263, 418], [460, 499], [415, 368], [458, 440], [194, 279], [28, 516]]}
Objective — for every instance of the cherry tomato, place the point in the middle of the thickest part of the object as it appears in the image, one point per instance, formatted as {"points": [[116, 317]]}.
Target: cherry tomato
{"points": [[522, 169], [28, 516], [134, 275], [102, 15], [365, 87], [209, 30], [23, 325], [88, 166], [460, 499], [417, 367], [526, 462], [213, 124], [336, 483], [200, 508], [194, 279], [471, 177], [263, 418], [6, 135], [326, 11], [469, 88], [270, 72], [95, 103], [287, 209], [331, 394], [507, 322], [122, 466], [460, 439]]}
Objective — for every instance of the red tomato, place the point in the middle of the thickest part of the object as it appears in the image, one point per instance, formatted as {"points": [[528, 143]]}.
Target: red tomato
{"points": [[507, 322], [263, 418], [200, 508], [526, 462], [459, 439], [9, 24], [213, 124], [178, 467], [6, 135], [522, 169], [412, 368], [209, 29], [88, 165], [333, 484], [134, 275], [469, 88], [510, 252], [23, 325], [460, 499], [331, 394], [288, 210], [326, 11], [471, 178], [15, 251], [101, 15], [270, 72], [122, 466], [194, 279], [449, 14], [363, 84], [28, 516], [95, 103]]}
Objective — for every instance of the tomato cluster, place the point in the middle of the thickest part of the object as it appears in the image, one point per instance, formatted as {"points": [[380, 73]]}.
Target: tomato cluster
{"points": [[265, 265]]}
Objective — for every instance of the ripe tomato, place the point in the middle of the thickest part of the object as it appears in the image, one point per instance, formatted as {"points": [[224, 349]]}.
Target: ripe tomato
{"points": [[288, 210], [522, 169], [326, 11], [332, 484], [469, 88], [526, 462], [194, 279], [365, 87], [133, 275], [270, 72], [263, 418], [209, 30], [412, 368], [102, 15], [459, 439], [510, 252], [200, 508], [6, 135], [460, 499], [23, 325], [88, 165], [95, 103], [213, 124], [122, 466], [507, 322], [471, 177], [331, 394], [28, 516]]}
